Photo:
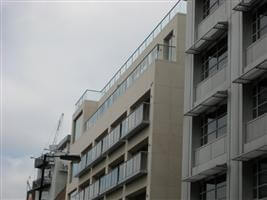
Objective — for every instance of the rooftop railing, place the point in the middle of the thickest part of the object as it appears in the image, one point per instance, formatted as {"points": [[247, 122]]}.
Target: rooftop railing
{"points": [[179, 7], [89, 95], [160, 51]]}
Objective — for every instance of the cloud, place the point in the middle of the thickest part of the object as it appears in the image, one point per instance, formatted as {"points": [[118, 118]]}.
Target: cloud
{"points": [[16, 172], [52, 52]]}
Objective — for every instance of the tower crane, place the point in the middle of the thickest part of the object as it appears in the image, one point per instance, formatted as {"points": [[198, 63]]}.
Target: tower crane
{"points": [[59, 125]]}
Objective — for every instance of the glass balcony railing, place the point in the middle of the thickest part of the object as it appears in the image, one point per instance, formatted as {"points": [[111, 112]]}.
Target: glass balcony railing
{"points": [[136, 121], [126, 172], [156, 53], [134, 167], [89, 95], [179, 7]]}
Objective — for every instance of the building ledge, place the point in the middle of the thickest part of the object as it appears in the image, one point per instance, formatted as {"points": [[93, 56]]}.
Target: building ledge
{"points": [[207, 103], [246, 6], [214, 33], [252, 73], [207, 173], [251, 154]]}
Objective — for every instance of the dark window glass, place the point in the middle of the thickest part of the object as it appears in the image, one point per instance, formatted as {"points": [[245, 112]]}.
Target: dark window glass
{"points": [[213, 189], [260, 178], [210, 6], [259, 25], [214, 58], [260, 97], [213, 124]]}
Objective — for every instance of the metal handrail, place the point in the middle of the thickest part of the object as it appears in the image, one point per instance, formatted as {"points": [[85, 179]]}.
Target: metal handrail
{"points": [[138, 65], [169, 16]]}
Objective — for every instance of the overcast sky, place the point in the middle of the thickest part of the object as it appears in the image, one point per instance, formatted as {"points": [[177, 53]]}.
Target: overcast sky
{"points": [[52, 52]]}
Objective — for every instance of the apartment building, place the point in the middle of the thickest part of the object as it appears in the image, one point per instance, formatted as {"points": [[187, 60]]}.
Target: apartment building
{"points": [[225, 120], [129, 134], [55, 174]]}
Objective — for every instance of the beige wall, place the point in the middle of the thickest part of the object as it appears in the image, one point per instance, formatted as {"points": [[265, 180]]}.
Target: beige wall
{"points": [[164, 80]]}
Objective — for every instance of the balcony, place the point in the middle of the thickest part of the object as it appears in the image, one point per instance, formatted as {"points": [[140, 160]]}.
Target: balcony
{"points": [[36, 185], [209, 152], [133, 168], [112, 141], [255, 139], [123, 174], [256, 128], [256, 50], [207, 86], [134, 123]]}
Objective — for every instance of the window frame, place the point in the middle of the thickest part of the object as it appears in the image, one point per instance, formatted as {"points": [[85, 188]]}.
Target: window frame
{"points": [[204, 125], [217, 185], [256, 97], [210, 8], [218, 49], [256, 21], [257, 186]]}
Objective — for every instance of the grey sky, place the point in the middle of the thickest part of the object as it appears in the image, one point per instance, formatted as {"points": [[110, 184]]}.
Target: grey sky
{"points": [[52, 52]]}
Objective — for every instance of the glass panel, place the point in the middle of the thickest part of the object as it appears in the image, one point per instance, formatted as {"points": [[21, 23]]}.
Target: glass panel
{"points": [[111, 138], [263, 178], [86, 193], [221, 193], [211, 195], [129, 168], [211, 137], [77, 127], [263, 164], [212, 126], [210, 185], [221, 131], [262, 109], [102, 184], [222, 121], [263, 191], [122, 172], [117, 134], [124, 127]]}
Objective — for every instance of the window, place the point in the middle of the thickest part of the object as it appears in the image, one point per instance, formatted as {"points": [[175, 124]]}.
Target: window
{"points": [[77, 127], [74, 170], [167, 48], [213, 125], [213, 189], [210, 6], [259, 25], [260, 97], [260, 179], [214, 59], [72, 195]]}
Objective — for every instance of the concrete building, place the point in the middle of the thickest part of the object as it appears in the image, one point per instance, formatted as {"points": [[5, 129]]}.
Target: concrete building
{"points": [[225, 123], [55, 174], [130, 138]]}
